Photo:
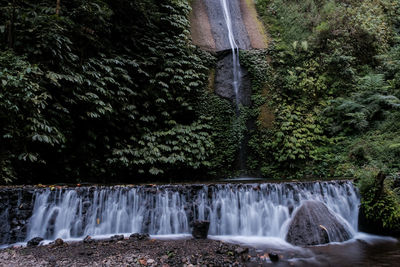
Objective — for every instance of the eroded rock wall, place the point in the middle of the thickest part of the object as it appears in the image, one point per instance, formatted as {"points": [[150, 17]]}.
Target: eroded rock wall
{"points": [[224, 76], [16, 206], [208, 26], [200, 29]]}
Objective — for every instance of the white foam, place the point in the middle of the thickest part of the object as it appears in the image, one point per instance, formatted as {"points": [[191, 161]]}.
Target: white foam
{"points": [[374, 239], [172, 237], [257, 241]]}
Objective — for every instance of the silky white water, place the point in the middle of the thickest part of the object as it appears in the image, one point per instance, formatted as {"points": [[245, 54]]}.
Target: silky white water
{"points": [[262, 210]]}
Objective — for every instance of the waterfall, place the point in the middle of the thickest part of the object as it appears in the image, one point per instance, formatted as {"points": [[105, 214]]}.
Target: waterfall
{"points": [[236, 82], [235, 52], [232, 209]]}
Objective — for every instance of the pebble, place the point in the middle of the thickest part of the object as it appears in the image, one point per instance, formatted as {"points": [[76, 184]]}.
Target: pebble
{"points": [[164, 257]]}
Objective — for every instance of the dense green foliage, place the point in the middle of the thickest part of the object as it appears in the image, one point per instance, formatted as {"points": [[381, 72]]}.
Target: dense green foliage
{"points": [[333, 85], [103, 91], [331, 81], [380, 208], [114, 91], [227, 132]]}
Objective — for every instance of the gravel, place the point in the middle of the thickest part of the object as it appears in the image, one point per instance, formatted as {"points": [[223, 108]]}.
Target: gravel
{"points": [[129, 252]]}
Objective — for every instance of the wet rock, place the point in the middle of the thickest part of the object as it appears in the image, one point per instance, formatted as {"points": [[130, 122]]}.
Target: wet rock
{"points": [[15, 210], [139, 237], [313, 224], [14, 221], [200, 229], [290, 209], [59, 242], [242, 253], [224, 77], [218, 25], [88, 239], [86, 205], [273, 257], [34, 241], [241, 250], [117, 238]]}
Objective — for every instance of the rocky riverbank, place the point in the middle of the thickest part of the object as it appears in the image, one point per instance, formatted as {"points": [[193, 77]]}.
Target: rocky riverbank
{"points": [[132, 252]]}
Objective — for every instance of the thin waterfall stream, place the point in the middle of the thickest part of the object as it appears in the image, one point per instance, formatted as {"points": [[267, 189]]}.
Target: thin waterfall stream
{"points": [[236, 74], [235, 53]]}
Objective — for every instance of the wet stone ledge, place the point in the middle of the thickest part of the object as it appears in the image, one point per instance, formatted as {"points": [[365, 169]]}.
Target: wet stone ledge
{"points": [[16, 205], [192, 201]]}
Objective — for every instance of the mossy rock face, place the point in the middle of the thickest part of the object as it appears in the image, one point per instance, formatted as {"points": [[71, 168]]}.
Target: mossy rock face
{"points": [[266, 117], [376, 223], [314, 224], [380, 208], [367, 225]]}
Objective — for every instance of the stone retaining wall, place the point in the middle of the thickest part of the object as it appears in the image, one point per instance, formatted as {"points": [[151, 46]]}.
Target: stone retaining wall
{"points": [[16, 205]]}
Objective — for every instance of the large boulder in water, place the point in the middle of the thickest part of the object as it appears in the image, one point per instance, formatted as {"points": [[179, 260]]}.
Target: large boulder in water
{"points": [[314, 224]]}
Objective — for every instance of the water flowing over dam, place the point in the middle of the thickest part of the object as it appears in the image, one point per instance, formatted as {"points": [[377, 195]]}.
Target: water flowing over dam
{"points": [[232, 209]]}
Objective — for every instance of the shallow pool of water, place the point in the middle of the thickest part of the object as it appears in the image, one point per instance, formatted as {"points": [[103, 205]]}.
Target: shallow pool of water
{"points": [[362, 250]]}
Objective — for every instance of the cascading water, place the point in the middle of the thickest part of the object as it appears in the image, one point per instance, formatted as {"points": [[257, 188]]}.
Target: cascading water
{"points": [[235, 52], [233, 209]]}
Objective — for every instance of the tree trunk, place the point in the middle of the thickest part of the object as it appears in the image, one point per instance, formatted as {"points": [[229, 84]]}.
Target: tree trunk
{"points": [[11, 28], [380, 179], [58, 8]]}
